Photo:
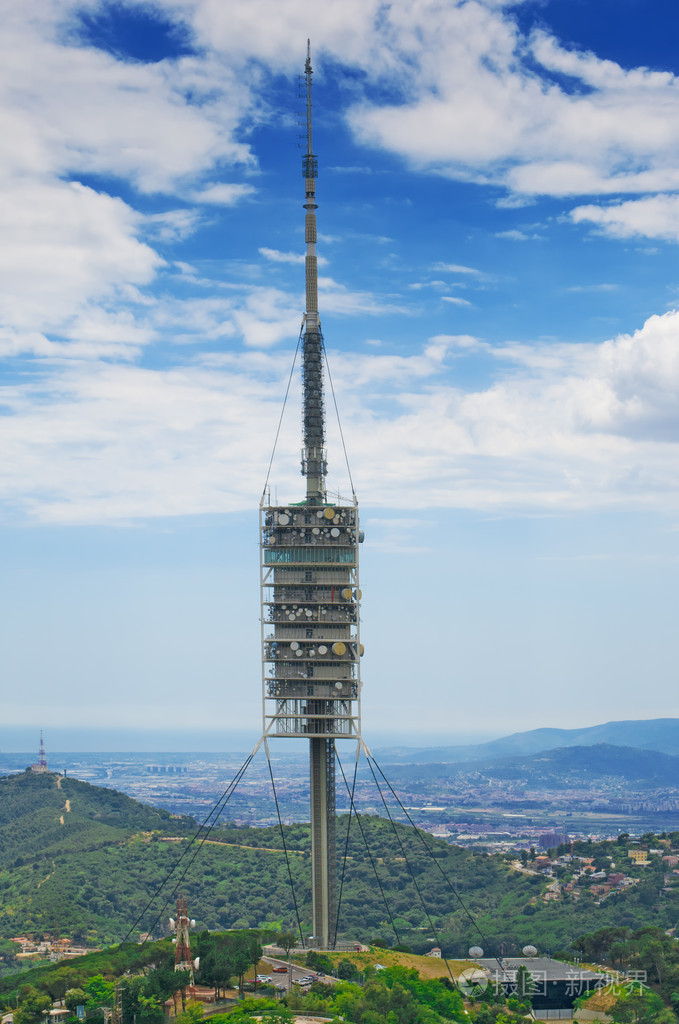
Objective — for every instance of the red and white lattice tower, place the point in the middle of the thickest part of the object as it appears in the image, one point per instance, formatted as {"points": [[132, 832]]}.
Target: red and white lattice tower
{"points": [[182, 950]]}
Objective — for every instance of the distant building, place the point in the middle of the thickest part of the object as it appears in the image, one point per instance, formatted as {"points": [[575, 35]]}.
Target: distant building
{"points": [[435, 952], [551, 839], [638, 856], [557, 984]]}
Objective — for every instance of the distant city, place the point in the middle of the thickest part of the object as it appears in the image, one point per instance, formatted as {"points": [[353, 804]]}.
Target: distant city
{"points": [[540, 800]]}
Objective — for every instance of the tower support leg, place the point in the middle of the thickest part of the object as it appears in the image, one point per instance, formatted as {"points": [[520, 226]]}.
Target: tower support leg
{"points": [[323, 840]]}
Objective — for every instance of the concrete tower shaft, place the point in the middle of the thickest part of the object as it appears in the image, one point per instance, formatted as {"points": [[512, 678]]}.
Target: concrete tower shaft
{"points": [[311, 645]]}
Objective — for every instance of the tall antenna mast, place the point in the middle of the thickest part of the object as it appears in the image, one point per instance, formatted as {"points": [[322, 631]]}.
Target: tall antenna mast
{"points": [[314, 464], [311, 649]]}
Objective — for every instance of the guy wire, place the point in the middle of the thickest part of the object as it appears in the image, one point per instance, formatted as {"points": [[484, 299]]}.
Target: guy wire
{"points": [[418, 833], [346, 844], [339, 422], [285, 848], [410, 870], [280, 421], [226, 794], [368, 851]]}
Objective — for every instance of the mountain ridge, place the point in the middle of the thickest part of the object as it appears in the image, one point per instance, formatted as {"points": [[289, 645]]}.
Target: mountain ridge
{"points": [[657, 734]]}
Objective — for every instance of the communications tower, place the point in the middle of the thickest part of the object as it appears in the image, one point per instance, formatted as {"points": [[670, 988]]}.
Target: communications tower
{"points": [[182, 950], [311, 646], [41, 764]]}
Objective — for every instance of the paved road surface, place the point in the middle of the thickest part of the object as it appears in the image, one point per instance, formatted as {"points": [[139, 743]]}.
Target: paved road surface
{"points": [[282, 980]]}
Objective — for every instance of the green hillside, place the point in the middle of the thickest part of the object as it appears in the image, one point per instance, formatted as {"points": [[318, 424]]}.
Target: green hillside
{"points": [[61, 813], [92, 876]]}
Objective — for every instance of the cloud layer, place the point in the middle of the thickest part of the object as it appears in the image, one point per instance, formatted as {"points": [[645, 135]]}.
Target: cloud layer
{"points": [[564, 427], [109, 162]]}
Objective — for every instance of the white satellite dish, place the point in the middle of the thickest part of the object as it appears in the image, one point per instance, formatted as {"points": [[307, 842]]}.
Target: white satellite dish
{"points": [[475, 952], [529, 951]]}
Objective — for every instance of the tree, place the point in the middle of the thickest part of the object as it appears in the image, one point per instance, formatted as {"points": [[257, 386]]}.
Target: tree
{"points": [[32, 1005], [99, 992], [192, 1014], [286, 941], [525, 986], [75, 997], [346, 970], [318, 962], [254, 954], [223, 968], [149, 1010]]}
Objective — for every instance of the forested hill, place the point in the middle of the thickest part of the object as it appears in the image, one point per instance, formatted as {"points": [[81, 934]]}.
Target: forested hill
{"points": [[44, 813], [91, 878]]}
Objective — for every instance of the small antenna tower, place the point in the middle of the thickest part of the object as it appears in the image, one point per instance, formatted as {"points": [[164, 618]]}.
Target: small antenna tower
{"points": [[42, 757], [182, 950]]}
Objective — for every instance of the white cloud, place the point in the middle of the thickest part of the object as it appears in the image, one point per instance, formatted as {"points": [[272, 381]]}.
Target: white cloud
{"points": [[651, 217], [94, 438], [580, 426], [63, 245], [171, 225], [514, 235], [604, 287], [337, 298], [276, 256], [455, 268], [223, 194], [69, 107], [474, 107]]}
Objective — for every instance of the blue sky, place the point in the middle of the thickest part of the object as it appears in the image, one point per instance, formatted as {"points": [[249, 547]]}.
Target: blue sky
{"points": [[498, 218]]}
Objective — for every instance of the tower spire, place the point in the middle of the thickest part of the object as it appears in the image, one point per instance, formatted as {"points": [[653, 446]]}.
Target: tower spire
{"points": [[314, 465]]}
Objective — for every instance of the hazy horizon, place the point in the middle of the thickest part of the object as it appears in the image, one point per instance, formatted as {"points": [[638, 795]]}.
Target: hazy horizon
{"points": [[25, 740]]}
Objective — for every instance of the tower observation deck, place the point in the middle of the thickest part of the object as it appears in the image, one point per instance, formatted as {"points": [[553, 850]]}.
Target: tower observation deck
{"points": [[311, 645]]}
